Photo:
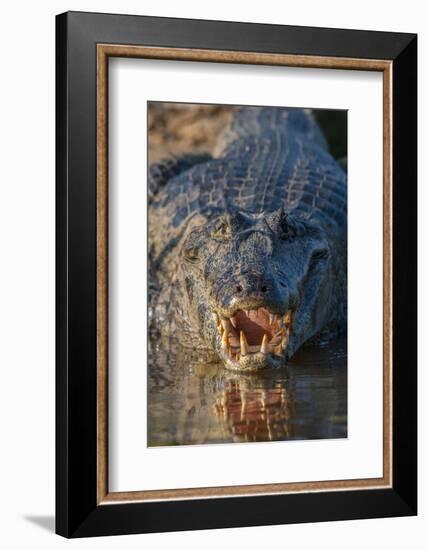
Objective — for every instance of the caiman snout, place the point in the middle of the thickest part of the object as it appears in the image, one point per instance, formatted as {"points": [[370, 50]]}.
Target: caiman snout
{"points": [[258, 285], [254, 288]]}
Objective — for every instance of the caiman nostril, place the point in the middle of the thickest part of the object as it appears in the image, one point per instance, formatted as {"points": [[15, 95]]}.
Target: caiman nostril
{"points": [[264, 288], [239, 288]]}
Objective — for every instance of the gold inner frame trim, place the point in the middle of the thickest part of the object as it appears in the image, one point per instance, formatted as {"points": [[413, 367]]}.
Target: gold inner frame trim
{"points": [[104, 51]]}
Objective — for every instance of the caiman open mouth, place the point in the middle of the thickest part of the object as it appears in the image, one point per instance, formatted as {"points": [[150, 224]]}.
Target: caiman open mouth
{"points": [[253, 338]]}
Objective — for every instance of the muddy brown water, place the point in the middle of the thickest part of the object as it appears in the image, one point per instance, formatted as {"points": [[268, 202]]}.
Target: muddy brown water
{"points": [[194, 402]]}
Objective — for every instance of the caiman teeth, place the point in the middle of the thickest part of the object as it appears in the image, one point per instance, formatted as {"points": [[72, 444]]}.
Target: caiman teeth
{"points": [[287, 318], [244, 343], [225, 341], [283, 343], [226, 325], [264, 348], [239, 333]]}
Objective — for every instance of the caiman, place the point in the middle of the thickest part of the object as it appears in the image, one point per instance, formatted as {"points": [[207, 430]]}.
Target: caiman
{"points": [[247, 248]]}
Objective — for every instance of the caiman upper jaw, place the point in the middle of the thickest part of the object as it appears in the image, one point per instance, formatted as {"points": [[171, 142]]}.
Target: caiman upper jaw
{"points": [[251, 339]]}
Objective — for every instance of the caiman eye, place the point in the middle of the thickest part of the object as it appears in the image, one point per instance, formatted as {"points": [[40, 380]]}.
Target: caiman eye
{"points": [[191, 254], [290, 228], [320, 254], [222, 230], [287, 229]]}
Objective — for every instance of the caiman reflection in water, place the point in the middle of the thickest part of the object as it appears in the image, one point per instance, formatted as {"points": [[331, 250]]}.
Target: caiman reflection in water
{"points": [[193, 402]]}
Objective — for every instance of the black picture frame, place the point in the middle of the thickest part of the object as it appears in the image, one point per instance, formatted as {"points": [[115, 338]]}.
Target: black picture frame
{"points": [[77, 512]]}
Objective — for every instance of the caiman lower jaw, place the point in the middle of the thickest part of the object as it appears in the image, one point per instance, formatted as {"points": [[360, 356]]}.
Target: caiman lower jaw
{"points": [[253, 339]]}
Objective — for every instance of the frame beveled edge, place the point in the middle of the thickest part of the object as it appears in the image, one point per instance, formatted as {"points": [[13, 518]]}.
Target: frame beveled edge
{"points": [[104, 51]]}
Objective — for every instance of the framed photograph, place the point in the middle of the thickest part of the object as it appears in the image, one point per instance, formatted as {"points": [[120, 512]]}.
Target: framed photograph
{"points": [[236, 274]]}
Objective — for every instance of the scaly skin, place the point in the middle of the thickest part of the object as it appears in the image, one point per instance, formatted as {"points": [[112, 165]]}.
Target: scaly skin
{"points": [[250, 243]]}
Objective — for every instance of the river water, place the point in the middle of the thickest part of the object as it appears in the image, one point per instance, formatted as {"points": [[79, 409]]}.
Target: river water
{"points": [[194, 402]]}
